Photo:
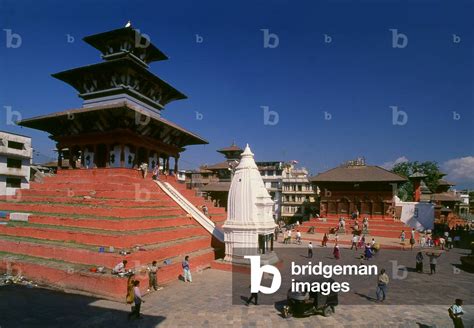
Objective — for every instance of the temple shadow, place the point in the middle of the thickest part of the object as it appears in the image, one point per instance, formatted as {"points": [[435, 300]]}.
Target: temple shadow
{"points": [[37, 307]]}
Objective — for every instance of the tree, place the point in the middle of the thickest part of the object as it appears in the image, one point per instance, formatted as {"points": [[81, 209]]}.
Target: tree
{"points": [[429, 168]]}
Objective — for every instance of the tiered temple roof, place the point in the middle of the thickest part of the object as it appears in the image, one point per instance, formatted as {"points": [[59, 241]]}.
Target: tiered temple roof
{"points": [[122, 104]]}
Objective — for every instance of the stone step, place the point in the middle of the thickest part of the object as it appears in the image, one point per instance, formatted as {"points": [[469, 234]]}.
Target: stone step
{"points": [[73, 277], [85, 254], [118, 239], [113, 224], [90, 210], [90, 201]]}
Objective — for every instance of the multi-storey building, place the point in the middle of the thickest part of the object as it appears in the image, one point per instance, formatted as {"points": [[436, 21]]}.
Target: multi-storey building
{"points": [[296, 192], [214, 180], [15, 162], [272, 173]]}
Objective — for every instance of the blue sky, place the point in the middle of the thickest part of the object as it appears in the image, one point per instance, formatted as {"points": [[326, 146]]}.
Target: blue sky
{"points": [[230, 75]]}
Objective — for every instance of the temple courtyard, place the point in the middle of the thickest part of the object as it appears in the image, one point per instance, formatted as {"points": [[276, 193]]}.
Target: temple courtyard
{"points": [[207, 302]]}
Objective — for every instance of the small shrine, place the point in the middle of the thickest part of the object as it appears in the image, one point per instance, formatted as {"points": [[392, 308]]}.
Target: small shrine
{"points": [[249, 228]]}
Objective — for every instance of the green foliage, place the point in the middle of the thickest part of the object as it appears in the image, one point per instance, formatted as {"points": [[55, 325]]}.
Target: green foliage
{"points": [[429, 168]]}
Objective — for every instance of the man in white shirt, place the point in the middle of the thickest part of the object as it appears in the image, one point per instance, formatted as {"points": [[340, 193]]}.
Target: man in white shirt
{"points": [[298, 236], [310, 250], [355, 240], [120, 268], [455, 313]]}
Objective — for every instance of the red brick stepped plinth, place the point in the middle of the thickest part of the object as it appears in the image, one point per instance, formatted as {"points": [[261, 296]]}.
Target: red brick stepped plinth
{"points": [[76, 212], [378, 227]]}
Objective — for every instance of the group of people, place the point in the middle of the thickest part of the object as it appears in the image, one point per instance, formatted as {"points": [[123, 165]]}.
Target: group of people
{"points": [[134, 296], [143, 168], [288, 235], [432, 259], [444, 241], [355, 227]]}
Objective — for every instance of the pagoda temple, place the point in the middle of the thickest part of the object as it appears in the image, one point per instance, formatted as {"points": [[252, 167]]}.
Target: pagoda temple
{"points": [[120, 123]]}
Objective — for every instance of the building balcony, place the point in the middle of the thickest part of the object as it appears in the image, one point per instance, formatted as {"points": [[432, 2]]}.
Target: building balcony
{"points": [[293, 192], [19, 153], [24, 171], [291, 214], [292, 202]]}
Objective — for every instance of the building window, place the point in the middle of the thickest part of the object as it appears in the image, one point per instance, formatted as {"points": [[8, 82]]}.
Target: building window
{"points": [[13, 182], [14, 163], [15, 145]]}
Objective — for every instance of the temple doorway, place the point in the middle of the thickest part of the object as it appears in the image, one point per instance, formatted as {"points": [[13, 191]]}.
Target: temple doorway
{"points": [[101, 156]]}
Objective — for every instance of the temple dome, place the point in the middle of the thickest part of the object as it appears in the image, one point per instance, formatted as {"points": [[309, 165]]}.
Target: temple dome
{"points": [[249, 202]]}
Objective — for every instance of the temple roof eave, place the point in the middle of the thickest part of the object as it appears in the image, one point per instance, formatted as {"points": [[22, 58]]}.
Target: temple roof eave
{"points": [[75, 76], [100, 41], [52, 123]]}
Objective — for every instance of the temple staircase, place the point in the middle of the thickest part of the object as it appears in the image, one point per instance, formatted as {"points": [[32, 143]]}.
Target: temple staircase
{"points": [[186, 205], [378, 227], [78, 220]]}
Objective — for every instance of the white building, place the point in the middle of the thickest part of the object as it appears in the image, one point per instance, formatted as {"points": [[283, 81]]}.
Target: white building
{"points": [[271, 173], [249, 227], [296, 190], [15, 161]]}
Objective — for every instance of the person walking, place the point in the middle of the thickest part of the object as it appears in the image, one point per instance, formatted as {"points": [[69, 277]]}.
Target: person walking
{"points": [[156, 173], [423, 241], [310, 250], [402, 236], [442, 242], [382, 282], [336, 252], [298, 237], [325, 240], [455, 313], [137, 300], [152, 279], [433, 261], [419, 262], [205, 210], [186, 270], [253, 296], [355, 239], [368, 252], [130, 296], [144, 169]]}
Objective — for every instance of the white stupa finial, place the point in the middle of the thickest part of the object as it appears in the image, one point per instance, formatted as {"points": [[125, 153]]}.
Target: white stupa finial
{"points": [[247, 152], [129, 24]]}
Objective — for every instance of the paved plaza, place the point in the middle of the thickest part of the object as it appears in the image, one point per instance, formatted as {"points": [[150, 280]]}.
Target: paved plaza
{"points": [[207, 302]]}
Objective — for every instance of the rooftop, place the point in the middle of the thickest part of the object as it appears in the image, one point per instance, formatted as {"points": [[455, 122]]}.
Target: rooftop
{"points": [[358, 173]]}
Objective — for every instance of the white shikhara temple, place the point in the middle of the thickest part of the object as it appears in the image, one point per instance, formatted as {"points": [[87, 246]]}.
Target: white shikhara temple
{"points": [[250, 226]]}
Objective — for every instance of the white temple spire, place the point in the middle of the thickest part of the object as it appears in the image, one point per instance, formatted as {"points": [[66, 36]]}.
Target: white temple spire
{"points": [[250, 225]]}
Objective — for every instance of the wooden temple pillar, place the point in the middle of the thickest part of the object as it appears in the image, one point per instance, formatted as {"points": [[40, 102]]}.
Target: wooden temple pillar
{"points": [[122, 155], [96, 148], [107, 155], [60, 159], [176, 158], [83, 160]]}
